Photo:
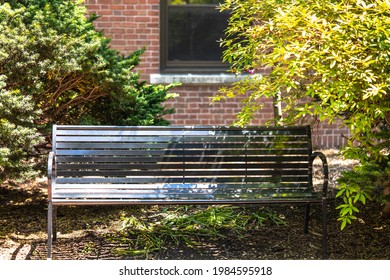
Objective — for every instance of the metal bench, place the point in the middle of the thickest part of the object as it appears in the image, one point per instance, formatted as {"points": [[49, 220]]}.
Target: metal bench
{"points": [[95, 165]]}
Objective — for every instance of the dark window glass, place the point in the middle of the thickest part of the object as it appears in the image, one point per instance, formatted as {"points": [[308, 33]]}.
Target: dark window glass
{"points": [[191, 30]]}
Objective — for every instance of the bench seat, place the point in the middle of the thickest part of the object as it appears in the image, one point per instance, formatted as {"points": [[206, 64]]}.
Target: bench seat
{"points": [[178, 193]]}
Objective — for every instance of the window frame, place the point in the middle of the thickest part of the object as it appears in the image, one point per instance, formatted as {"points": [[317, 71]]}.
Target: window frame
{"points": [[188, 66]]}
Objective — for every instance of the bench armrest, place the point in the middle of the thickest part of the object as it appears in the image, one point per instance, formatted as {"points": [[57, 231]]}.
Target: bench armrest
{"points": [[50, 173], [325, 169]]}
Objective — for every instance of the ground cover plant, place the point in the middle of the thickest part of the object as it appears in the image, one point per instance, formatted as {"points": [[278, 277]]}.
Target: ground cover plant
{"points": [[188, 226]]}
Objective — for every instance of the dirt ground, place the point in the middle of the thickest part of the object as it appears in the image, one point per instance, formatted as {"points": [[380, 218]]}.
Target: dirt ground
{"points": [[86, 232]]}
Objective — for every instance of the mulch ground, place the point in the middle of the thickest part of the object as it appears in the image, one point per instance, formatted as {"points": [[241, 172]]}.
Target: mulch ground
{"points": [[88, 232]]}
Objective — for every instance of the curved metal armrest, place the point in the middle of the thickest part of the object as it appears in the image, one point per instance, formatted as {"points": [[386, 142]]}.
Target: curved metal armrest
{"points": [[50, 172], [326, 170]]}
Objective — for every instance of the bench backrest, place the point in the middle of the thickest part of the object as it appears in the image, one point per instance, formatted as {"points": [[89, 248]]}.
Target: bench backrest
{"points": [[98, 164]]}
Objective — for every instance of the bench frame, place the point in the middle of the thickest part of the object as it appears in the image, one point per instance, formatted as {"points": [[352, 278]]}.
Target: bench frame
{"points": [[52, 177]]}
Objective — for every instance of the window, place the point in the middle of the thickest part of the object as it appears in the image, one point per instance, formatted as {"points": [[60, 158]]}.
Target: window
{"points": [[190, 31]]}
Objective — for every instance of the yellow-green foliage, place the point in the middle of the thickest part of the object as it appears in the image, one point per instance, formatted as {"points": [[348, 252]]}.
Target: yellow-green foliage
{"points": [[329, 59]]}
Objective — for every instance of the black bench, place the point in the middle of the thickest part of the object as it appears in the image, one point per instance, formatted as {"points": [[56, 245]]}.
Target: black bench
{"points": [[95, 165]]}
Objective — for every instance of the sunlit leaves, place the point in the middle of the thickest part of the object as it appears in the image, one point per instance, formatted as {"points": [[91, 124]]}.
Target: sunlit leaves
{"points": [[329, 59], [338, 52]]}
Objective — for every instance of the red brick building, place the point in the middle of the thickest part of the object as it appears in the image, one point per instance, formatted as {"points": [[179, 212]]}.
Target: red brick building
{"points": [[177, 35]]}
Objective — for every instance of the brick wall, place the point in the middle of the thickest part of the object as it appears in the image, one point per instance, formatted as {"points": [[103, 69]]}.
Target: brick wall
{"points": [[133, 24], [193, 107]]}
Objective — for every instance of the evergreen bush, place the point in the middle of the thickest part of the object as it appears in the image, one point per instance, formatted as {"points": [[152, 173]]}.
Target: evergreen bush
{"points": [[53, 60]]}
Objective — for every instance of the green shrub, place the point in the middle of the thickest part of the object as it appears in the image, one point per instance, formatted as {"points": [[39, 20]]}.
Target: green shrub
{"points": [[359, 185], [18, 137], [326, 59], [53, 59]]}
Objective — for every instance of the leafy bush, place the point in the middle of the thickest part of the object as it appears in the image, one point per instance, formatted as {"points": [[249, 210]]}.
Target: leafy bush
{"points": [[326, 59], [359, 185]]}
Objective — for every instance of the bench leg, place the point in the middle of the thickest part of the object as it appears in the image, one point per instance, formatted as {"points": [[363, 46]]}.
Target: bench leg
{"points": [[324, 227], [324, 230], [307, 218], [49, 229], [54, 223]]}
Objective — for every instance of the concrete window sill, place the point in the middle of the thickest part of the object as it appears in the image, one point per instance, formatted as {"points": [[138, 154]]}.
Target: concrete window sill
{"points": [[195, 79]]}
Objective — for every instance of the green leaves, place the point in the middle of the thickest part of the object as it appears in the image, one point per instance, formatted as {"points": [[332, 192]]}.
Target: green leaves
{"points": [[328, 59], [356, 187], [351, 195], [53, 60], [18, 136], [340, 52], [52, 52]]}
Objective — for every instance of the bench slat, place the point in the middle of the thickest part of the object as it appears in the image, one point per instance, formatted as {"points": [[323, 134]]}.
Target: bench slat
{"points": [[172, 140], [184, 193], [140, 180], [179, 130], [172, 197], [241, 158], [180, 152], [178, 145], [164, 173], [185, 186], [181, 166]]}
